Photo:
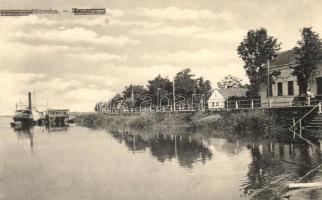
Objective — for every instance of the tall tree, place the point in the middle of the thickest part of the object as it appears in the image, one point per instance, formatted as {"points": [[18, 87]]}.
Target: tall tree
{"points": [[230, 82], [308, 54], [132, 94], [256, 50], [161, 85], [203, 87], [184, 83]]}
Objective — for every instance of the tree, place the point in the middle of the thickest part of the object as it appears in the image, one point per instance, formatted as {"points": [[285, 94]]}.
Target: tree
{"points": [[230, 82], [308, 55], [203, 87], [132, 94], [256, 50], [184, 83], [164, 85]]}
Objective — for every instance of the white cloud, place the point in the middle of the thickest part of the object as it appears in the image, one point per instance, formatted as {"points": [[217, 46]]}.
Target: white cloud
{"points": [[227, 35], [144, 24], [14, 22], [96, 57], [203, 57], [174, 13], [179, 31], [80, 36]]}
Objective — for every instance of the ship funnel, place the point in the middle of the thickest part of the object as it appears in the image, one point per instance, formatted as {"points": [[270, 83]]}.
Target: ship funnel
{"points": [[29, 101]]}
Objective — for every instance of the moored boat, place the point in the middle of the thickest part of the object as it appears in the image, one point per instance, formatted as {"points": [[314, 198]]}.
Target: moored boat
{"points": [[23, 117]]}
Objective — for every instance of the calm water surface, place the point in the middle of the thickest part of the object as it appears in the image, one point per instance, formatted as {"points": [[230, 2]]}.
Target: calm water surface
{"points": [[78, 163]]}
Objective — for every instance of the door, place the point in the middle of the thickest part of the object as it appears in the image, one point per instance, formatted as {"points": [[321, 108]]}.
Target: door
{"points": [[319, 86]]}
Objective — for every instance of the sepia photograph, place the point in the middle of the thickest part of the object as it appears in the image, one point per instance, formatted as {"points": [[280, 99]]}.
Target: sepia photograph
{"points": [[160, 100]]}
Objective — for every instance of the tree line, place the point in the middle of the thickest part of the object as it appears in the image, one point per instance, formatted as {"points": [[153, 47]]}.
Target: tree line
{"points": [[187, 88], [257, 50]]}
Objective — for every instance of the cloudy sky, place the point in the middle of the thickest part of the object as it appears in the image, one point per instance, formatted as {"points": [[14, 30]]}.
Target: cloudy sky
{"points": [[75, 61]]}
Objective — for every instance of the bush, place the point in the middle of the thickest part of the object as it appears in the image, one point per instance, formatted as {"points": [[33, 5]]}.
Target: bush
{"points": [[251, 120], [142, 121], [210, 121]]}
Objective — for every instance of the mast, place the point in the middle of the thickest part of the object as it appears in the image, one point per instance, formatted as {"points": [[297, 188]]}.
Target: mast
{"points": [[29, 101], [35, 97]]}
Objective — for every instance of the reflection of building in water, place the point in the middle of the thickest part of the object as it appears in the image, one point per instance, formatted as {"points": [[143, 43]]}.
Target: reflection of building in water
{"points": [[165, 147], [56, 128]]}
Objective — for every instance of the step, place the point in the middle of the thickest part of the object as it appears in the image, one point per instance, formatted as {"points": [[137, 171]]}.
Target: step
{"points": [[315, 123], [313, 127]]}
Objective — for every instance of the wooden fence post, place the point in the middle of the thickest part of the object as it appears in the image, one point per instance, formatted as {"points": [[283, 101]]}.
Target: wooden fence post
{"points": [[301, 128], [293, 128], [252, 104], [236, 104]]}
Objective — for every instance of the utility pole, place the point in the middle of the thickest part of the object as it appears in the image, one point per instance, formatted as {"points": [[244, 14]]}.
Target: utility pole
{"points": [[158, 98], [268, 84], [174, 94]]}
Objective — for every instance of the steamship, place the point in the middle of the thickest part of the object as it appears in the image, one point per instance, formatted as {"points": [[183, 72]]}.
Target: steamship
{"points": [[23, 117]]}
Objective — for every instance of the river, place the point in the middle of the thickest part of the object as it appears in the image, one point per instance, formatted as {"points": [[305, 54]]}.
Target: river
{"points": [[75, 163]]}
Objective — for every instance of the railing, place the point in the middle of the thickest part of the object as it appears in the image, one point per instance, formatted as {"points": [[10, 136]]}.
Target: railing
{"points": [[272, 102], [299, 122]]}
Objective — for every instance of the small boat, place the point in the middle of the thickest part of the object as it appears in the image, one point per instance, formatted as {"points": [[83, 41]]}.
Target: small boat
{"points": [[70, 120]]}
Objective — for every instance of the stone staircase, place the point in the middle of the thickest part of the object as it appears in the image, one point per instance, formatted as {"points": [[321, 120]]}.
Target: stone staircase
{"points": [[315, 123]]}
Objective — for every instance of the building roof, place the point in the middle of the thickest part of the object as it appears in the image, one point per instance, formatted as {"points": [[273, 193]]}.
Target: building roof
{"points": [[231, 92], [284, 58]]}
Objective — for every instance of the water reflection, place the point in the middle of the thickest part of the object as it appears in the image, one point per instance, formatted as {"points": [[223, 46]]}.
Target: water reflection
{"points": [[167, 146], [274, 165], [245, 168], [26, 132]]}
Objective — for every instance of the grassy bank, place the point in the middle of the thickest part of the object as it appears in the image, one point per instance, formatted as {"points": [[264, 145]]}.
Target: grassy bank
{"points": [[137, 121], [241, 120], [260, 121]]}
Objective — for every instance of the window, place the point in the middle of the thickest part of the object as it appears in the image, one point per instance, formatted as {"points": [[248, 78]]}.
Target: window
{"points": [[290, 88], [279, 89], [213, 104]]}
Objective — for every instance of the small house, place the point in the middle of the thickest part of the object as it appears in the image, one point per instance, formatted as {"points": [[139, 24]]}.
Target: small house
{"points": [[219, 97]]}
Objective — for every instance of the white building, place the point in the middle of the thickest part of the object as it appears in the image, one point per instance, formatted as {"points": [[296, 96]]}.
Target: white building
{"points": [[219, 97], [284, 88]]}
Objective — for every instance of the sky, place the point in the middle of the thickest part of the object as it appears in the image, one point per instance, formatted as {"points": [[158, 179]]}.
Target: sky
{"points": [[75, 61]]}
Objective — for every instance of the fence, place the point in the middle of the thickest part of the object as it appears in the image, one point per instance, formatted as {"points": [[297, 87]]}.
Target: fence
{"points": [[272, 102]]}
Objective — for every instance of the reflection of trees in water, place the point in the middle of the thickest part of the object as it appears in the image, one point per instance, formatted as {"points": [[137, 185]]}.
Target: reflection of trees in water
{"points": [[165, 147], [268, 170]]}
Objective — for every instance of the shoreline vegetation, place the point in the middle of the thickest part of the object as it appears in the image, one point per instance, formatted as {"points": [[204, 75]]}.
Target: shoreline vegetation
{"points": [[259, 122], [264, 123]]}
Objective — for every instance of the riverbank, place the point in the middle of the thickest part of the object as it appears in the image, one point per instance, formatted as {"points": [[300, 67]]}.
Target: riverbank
{"points": [[263, 122]]}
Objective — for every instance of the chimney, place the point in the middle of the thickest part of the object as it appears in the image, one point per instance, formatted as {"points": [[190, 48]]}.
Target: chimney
{"points": [[29, 100]]}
